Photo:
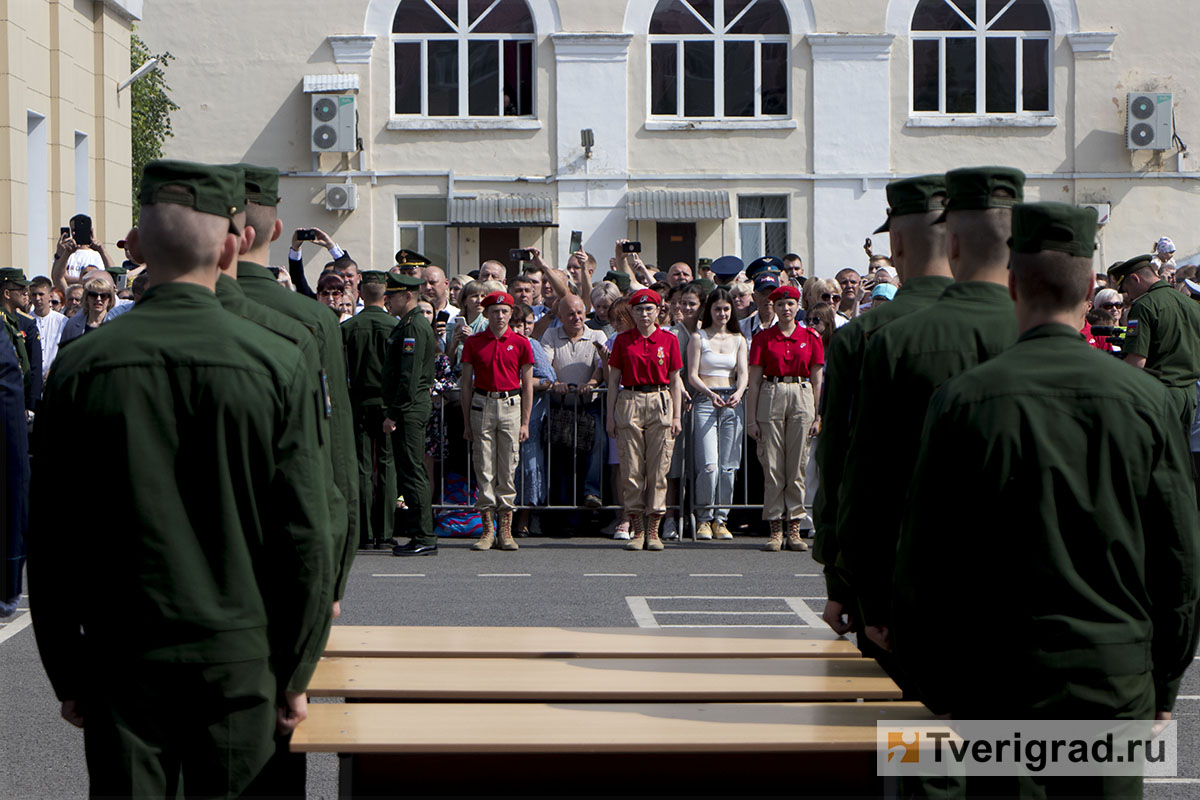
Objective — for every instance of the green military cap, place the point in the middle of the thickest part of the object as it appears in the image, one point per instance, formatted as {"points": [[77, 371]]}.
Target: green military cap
{"points": [[410, 258], [399, 282], [704, 263], [1053, 226], [13, 275], [621, 279], [208, 188], [1123, 269], [374, 276], [974, 188], [917, 195], [704, 285], [116, 270], [262, 184]]}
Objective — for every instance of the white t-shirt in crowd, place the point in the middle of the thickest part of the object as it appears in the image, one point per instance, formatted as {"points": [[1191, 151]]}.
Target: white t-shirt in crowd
{"points": [[50, 328], [80, 260]]}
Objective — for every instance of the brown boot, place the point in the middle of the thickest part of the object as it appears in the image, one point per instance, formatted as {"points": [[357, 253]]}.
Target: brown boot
{"points": [[507, 542], [653, 523], [638, 536], [795, 538], [775, 543], [489, 533]]}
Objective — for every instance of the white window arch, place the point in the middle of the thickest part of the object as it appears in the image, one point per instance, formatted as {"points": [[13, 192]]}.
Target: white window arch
{"points": [[982, 57], [719, 59], [463, 58]]}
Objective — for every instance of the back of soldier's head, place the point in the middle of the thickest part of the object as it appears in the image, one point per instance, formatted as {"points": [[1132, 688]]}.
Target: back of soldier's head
{"points": [[187, 211], [979, 202], [1052, 255], [914, 205], [262, 200]]}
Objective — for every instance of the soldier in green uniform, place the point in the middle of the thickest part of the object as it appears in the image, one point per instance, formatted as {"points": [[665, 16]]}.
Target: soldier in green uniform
{"points": [[919, 251], [219, 554], [1098, 618], [22, 330], [906, 362], [261, 287], [407, 379], [366, 339], [1163, 332]]}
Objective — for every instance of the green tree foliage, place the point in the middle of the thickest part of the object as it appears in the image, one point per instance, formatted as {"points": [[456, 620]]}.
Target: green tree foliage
{"points": [[152, 108]]}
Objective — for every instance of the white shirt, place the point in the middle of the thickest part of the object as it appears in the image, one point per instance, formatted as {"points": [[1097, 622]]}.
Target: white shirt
{"points": [[50, 329], [80, 260]]}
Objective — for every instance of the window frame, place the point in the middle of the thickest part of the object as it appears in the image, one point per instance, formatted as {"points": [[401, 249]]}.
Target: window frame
{"points": [[718, 40], [762, 222], [981, 35], [463, 35]]}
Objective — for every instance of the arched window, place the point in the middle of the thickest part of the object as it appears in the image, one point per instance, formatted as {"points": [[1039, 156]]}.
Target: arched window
{"points": [[437, 42], [719, 59], [981, 57]]}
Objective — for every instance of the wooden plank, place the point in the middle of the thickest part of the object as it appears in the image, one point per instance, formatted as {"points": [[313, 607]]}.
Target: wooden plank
{"points": [[595, 727], [456, 642], [603, 679]]}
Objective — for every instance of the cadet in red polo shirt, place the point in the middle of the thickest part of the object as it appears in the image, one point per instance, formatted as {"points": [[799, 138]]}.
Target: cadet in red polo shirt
{"points": [[786, 361], [643, 416], [497, 392]]}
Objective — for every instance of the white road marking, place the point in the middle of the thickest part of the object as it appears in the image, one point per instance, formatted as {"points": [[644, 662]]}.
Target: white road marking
{"points": [[807, 575], [1188, 697], [398, 575], [733, 613], [804, 612], [503, 575], [640, 608], [610, 574], [734, 626], [646, 617], [715, 575], [14, 627]]}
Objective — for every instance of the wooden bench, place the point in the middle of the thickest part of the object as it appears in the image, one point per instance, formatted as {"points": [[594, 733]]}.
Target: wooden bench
{"points": [[450, 642], [818, 749]]}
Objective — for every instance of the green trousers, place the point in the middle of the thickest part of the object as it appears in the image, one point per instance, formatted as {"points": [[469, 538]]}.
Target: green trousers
{"points": [[412, 483], [154, 729], [376, 476]]}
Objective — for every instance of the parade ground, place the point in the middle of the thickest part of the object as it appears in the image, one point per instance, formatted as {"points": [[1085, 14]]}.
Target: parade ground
{"points": [[577, 582]]}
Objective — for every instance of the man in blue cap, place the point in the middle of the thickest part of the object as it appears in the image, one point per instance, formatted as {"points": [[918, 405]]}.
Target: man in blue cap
{"points": [[726, 269]]}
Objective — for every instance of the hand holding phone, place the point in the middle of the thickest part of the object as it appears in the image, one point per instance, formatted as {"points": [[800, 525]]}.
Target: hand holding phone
{"points": [[576, 242]]}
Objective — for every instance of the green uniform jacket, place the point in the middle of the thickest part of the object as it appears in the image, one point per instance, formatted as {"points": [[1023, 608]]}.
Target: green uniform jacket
{"points": [[1164, 326], [216, 547], [366, 340], [843, 365], [1084, 454], [261, 287], [27, 340], [408, 373], [904, 364]]}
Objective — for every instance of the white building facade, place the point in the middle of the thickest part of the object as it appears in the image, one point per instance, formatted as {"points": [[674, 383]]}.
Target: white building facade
{"points": [[465, 128]]}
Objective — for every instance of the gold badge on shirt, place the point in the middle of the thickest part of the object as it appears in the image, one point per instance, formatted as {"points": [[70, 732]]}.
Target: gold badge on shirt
{"points": [[661, 356]]}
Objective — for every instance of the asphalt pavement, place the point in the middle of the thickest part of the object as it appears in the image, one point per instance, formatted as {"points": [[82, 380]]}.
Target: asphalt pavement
{"points": [[575, 582]]}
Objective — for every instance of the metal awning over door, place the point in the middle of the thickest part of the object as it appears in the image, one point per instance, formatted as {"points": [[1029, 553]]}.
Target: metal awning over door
{"points": [[666, 205]]}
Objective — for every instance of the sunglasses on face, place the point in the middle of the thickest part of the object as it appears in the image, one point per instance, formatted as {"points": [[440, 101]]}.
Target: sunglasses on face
{"points": [[55, 302], [1111, 306], [96, 295], [828, 296]]}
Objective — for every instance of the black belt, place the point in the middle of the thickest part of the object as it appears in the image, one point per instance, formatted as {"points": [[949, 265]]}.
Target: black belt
{"points": [[785, 379], [498, 395], [648, 387]]}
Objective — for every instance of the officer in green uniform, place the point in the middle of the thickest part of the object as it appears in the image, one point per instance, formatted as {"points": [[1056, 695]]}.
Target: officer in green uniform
{"points": [[220, 552], [919, 251], [906, 361], [22, 330], [1098, 617], [407, 379], [1163, 332], [366, 340], [260, 286]]}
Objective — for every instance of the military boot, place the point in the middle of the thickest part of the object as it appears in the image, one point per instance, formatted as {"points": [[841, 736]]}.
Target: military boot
{"points": [[795, 539], [653, 522], [775, 543], [507, 542], [489, 533], [637, 535]]}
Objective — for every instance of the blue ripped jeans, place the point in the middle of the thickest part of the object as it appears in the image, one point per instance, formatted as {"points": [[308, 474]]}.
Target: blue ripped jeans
{"points": [[718, 437]]}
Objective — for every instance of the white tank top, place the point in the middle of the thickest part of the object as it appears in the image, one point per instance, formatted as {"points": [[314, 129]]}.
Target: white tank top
{"points": [[712, 363]]}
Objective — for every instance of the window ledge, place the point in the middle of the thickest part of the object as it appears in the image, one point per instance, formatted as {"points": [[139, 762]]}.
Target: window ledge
{"points": [[982, 121], [464, 124], [720, 124]]}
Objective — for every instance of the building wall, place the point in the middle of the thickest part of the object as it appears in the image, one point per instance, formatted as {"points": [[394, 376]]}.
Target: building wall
{"points": [[849, 130], [62, 61]]}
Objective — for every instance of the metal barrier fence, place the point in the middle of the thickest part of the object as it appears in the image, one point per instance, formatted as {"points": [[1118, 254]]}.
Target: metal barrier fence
{"points": [[456, 459]]}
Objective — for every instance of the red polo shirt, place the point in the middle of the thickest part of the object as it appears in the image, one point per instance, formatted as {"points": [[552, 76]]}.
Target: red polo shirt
{"points": [[646, 359], [497, 362], [781, 355], [1098, 342]]}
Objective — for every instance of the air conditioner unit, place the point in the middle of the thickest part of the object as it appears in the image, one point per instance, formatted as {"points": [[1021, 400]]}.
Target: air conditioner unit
{"points": [[1148, 121], [334, 123], [341, 197]]}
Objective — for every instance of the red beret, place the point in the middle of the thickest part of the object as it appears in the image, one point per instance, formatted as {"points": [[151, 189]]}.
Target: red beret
{"points": [[498, 297], [645, 296], [785, 292]]}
